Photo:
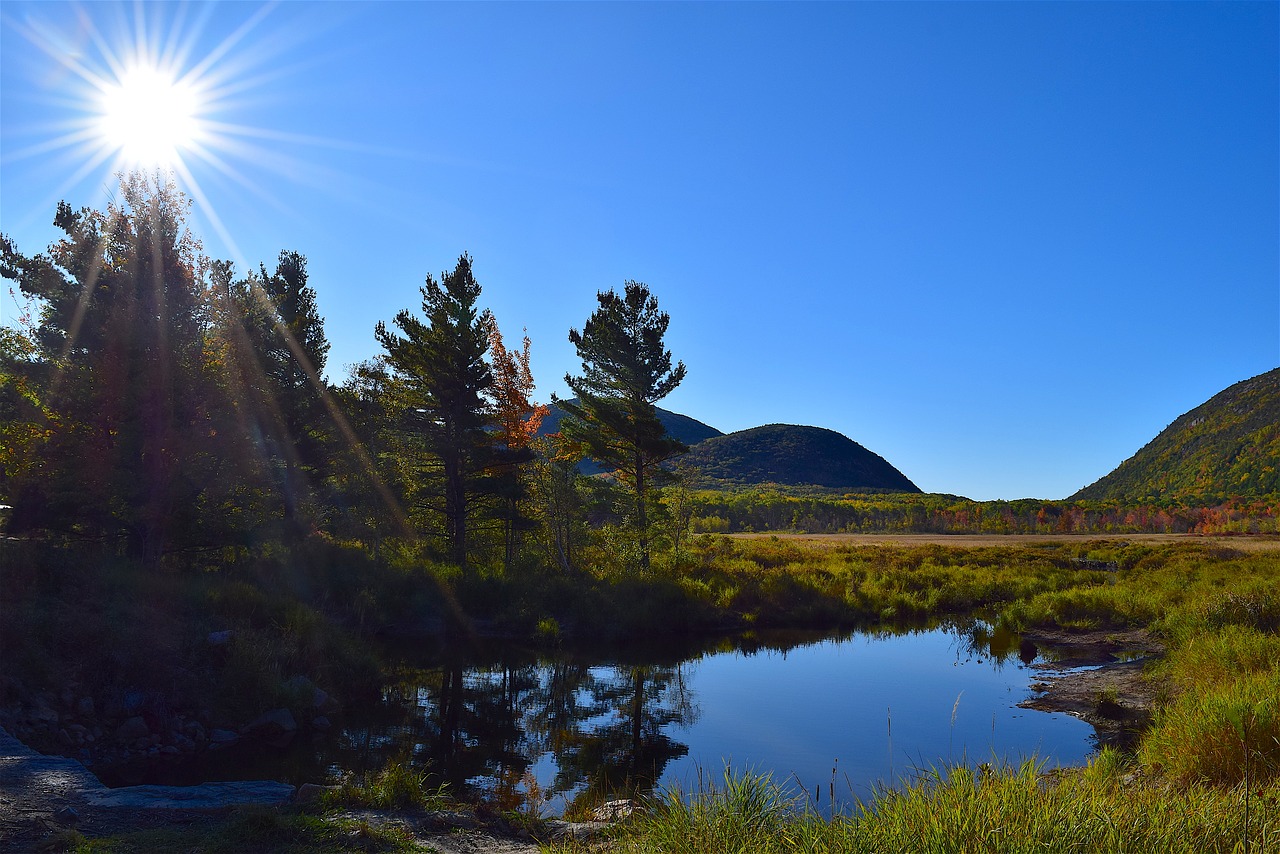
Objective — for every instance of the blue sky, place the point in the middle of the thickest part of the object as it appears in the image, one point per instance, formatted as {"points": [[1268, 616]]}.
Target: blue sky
{"points": [[1002, 245]]}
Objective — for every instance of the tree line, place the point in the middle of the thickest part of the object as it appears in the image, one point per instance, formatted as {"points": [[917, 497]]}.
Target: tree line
{"points": [[762, 510], [156, 402]]}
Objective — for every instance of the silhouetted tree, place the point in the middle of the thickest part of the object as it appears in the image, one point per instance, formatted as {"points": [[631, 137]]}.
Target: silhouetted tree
{"points": [[441, 378], [626, 368], [128, 445]]}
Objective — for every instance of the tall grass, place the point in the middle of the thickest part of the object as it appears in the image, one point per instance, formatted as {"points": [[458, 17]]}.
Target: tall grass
{"points": [[959, 809]]}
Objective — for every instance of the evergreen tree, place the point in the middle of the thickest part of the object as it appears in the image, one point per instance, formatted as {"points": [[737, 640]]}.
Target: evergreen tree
{"points": [[280, 350], [626, 368], [441, 377], [126, 445]]}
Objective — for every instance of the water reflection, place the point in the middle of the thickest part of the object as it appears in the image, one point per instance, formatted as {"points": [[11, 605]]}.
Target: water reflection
{"points": [[482, 728], [575, 728]]}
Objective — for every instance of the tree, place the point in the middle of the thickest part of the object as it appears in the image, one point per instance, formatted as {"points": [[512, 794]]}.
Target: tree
{"points": [[441, 378], [625, 370], [518, 418], [128, 446], [280, 349]]}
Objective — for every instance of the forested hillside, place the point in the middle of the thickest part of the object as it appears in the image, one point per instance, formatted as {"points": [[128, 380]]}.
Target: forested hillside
{"points": [[791, 455], [1227, 446]]}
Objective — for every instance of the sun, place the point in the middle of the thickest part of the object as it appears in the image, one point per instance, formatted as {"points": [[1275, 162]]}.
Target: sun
{"points": [[149, 116]]}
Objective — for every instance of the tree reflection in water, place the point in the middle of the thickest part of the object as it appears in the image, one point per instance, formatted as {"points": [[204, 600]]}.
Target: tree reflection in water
{"points": [[482, 729]]}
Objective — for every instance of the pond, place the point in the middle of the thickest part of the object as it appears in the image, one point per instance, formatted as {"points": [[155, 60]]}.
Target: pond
{"points": [[832, 715]]}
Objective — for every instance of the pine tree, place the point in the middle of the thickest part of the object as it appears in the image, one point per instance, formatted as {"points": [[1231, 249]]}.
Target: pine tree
{"points": [[626, 368], [441, 377]]}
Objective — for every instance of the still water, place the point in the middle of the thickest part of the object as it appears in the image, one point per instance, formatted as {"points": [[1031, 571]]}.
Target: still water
{"points": [[843, 714]]}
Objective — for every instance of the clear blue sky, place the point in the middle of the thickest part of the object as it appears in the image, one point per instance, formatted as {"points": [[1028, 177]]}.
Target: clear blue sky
{"points": [[1002, 245]]}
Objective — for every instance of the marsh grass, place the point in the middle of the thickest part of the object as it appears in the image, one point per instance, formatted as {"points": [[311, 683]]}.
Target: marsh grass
{"points": [[1014, 809], [396, 786]]}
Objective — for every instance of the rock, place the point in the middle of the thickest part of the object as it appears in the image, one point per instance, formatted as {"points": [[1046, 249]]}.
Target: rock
{"points": [[222, 738], [170, 750], [67, 816], [276, 727], [133, 729], [614, 810], [321, 722], [84, 707], [206, 796], [323, 703], [43, 714]]}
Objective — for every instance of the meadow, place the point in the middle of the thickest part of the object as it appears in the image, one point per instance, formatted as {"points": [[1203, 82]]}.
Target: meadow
{"points": [[1205, 776]]}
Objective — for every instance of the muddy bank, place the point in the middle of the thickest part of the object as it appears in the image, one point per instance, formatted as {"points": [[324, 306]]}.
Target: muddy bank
{"points": [[1099, 678]]}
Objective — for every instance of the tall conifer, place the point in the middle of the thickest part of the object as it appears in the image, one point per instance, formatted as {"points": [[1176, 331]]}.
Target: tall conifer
{"points": [[626, 368]]}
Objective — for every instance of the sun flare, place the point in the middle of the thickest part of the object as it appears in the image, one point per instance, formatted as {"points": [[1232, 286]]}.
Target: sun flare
{"points": [[149, 116]]}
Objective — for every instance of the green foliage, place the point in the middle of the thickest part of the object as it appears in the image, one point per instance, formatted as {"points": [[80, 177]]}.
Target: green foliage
{"points": [[793, 455], [438, 379], [397, 786], [1227, 446], [626, 368], [961, 809]]}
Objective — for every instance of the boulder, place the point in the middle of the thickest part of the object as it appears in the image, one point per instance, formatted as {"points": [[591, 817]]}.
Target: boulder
{"points": [[133, 729], [276, 727]]}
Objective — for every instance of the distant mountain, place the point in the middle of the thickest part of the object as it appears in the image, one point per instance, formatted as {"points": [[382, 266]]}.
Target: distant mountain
{"points": [[1228, 446], [790, 455], [686, 429]]}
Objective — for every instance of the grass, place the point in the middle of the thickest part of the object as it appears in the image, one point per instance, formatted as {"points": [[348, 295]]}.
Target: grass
{"points": [[1205, 777], [259, 831], [1103, 807], [397, 786]]}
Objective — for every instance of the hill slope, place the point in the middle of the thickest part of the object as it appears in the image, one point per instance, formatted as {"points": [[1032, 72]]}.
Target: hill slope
{"points": [[686, 429], [795, 456], [1227, 446]]}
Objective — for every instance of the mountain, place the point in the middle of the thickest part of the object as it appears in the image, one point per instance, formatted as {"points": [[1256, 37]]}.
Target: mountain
{"points": [[790, 455], [686, 429], [1227, 446]]}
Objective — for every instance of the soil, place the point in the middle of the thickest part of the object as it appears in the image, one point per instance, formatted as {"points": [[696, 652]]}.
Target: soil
{"points": [[1097, 677]]}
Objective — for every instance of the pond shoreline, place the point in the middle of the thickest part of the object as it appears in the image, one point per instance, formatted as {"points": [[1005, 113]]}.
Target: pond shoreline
{"points": [[1099, 677]]}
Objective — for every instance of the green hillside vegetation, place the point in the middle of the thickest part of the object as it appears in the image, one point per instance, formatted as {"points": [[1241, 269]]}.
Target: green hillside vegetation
{"points": [[1227, 446], [791, 455]]}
